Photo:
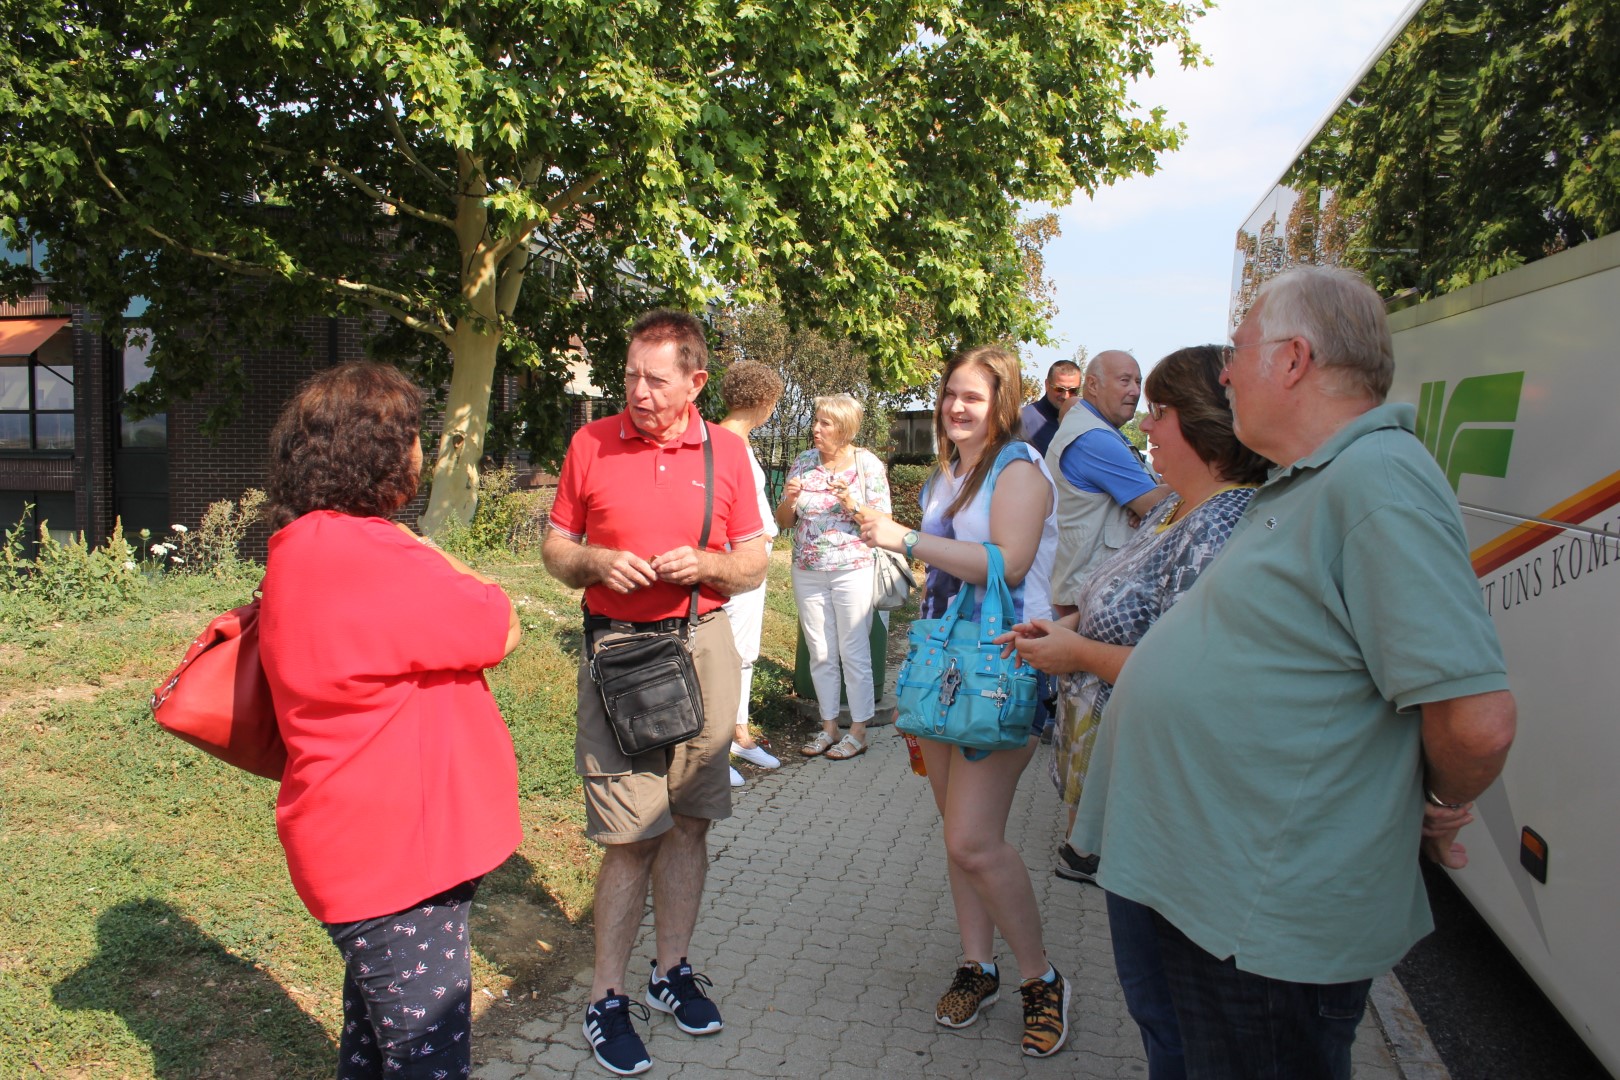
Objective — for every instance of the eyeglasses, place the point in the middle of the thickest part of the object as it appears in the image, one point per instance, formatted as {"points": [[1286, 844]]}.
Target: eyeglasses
{"points": [[1156, 410], [1230, 352]]}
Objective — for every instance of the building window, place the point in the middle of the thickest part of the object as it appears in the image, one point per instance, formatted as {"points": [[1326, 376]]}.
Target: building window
{"points": [[149, 432], [28, 510], [36, 398]]}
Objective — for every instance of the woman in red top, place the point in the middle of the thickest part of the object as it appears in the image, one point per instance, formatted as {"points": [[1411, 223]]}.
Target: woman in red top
{"points": [[401, 786]]}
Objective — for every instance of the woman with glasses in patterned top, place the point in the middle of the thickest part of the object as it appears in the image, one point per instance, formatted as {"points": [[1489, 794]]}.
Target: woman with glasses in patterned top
{"points": [[1213, 476]]}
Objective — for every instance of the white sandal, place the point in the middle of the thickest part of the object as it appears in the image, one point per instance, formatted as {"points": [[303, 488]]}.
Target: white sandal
{"points": [[817, 746], [849, 746]]}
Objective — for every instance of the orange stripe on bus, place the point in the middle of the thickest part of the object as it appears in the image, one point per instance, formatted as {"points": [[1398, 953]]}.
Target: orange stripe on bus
{"points": [[1523, 538]]}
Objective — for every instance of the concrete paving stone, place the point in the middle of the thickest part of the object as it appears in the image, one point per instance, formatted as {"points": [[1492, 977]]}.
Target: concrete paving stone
{"points": [[546, 1072], [499, 1070], [749, 1061], [542, 1029], [670, 1044], [564, 1055]]}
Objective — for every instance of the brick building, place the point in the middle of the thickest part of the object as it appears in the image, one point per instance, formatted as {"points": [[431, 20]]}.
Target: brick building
{"points": [[68, 449]]}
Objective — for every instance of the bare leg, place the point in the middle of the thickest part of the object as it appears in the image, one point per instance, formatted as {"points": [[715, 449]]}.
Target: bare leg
{"points": [[677, 882], [621, 900], [989, 882], [1074, 812]]}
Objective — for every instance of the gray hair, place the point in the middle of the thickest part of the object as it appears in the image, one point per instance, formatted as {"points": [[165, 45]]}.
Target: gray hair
{"points": [[1343, 319]]}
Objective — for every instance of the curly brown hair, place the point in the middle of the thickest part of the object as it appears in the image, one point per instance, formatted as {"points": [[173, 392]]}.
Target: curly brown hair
{"points": [[343, 442], [1189, 380], [749, 384]]}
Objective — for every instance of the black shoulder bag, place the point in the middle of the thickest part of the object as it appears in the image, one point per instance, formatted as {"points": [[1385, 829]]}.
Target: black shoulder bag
{"points": [[648, 682]]}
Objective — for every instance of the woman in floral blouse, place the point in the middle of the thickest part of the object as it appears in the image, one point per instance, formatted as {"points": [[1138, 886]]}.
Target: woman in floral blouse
{"points": [[827, 487]]}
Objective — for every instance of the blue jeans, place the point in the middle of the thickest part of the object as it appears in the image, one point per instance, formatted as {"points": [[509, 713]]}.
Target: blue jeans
{"points": [[407, 991], [1147, 992], [1236, 1025]]}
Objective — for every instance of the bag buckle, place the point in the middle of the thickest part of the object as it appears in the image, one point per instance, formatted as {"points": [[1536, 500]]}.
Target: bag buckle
{"points": [[948, 684]]}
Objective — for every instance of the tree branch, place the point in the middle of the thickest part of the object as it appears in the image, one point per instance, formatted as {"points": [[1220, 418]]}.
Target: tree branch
{"points": [[388, 301], [366, 188], [404, 146], [569, 196]]}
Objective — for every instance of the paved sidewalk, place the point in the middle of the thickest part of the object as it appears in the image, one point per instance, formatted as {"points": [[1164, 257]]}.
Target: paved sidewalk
{"points": [[829, 934]]}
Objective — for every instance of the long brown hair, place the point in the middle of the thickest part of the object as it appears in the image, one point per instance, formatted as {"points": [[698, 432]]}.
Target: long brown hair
{"points": [[1006, 402]]}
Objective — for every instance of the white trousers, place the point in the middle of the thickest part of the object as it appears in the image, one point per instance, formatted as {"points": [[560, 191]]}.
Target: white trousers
{"points": [[747, 614], [835, 611]]}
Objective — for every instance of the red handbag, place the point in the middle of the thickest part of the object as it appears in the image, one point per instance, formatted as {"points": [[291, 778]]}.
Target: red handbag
{"points": [[218, 699]]}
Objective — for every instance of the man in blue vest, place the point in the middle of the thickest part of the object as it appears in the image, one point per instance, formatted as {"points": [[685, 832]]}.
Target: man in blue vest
{"points": [[1101, 484]]}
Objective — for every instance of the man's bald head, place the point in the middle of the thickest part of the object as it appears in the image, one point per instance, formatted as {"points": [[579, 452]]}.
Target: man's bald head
{"points": [[1113, 385]]}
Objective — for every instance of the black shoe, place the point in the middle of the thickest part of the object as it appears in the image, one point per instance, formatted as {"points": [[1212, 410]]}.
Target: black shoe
{"points": [[613, 1037], [681, 995], [1073, 866]]}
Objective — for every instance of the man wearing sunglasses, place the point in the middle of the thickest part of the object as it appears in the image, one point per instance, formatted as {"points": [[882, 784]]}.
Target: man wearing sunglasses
{"points": [[1041, 416]]}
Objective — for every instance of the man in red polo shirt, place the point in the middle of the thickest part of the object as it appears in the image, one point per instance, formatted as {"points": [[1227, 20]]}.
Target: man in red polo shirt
{"points": [[625, 527]]}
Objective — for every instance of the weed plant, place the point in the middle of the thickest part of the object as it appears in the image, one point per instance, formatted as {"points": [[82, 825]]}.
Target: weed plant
{"points": [[508, 519], [215, 545], [65, 581]]}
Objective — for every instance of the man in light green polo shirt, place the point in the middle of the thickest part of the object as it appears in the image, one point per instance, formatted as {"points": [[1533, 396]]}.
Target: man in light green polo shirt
{"points": [[1326, 700]]}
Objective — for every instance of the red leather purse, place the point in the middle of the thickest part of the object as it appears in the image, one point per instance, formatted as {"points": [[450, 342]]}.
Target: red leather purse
{"points": [[218, 699]]}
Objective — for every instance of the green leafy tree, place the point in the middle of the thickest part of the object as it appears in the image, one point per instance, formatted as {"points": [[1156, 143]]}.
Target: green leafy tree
{"points": [[494, 183], [1487, 136]]}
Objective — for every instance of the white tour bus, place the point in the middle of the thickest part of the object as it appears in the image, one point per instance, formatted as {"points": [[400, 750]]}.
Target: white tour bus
{"points": [[1473, 174]]}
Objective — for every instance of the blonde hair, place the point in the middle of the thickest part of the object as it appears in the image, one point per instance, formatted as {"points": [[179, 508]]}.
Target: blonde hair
{"points": [[845, 413]]}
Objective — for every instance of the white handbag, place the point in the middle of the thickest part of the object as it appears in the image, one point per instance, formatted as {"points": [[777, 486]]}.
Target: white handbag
{"points": [[892, 581]]}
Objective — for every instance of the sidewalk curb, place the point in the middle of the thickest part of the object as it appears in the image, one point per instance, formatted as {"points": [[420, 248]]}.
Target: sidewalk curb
{"points": [[1409, 1042]]}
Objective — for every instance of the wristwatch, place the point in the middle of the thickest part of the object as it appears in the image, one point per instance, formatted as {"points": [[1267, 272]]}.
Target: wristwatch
{"points": [[910, 540], [1435, 800]]}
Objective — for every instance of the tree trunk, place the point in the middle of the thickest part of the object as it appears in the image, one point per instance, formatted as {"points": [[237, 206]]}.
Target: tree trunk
{"points": [[466, 423]]}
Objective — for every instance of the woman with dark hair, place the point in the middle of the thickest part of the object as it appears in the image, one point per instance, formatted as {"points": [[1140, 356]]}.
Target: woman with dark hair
{"points": [[400, 790], [750, 390], [1213, 476], [989, 487]]}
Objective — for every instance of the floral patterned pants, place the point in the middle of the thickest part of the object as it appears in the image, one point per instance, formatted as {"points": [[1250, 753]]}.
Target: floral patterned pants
{"points": [[407, 991]]}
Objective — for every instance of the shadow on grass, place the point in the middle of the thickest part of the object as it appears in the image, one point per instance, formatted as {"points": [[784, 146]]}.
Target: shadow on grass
{"points": [[203, 1011]]}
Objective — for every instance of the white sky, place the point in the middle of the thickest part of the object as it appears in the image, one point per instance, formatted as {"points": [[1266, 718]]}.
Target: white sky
{"points": [[1147, 265]]}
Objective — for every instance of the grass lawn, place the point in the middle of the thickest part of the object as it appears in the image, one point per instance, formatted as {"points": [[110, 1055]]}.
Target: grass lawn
{"points": [[153, 931]]}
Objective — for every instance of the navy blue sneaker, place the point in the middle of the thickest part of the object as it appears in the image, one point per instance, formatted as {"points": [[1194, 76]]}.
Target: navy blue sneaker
{"points": [[681, 995], [613, 1037]]}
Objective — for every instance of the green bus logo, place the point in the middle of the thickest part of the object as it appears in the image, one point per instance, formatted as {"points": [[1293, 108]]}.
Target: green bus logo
{"points": [[1446, 429]]}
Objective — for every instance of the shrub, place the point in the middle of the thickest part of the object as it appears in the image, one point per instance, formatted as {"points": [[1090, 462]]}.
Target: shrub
{"points": [[905, 487], [508, 518]]}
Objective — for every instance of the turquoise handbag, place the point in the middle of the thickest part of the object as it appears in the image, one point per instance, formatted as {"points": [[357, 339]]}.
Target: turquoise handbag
{"points": [[954, 686]]}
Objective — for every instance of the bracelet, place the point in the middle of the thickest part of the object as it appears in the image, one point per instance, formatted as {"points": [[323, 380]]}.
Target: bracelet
{"points": [[1435, 800]]}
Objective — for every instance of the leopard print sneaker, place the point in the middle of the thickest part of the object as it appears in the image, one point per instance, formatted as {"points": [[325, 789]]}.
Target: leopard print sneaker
{"points": [[972, 990]]}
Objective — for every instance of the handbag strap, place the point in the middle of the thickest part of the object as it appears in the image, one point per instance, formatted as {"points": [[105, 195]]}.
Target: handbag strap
{"points": [[708, 516], [997, 600]]}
